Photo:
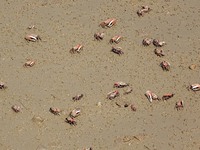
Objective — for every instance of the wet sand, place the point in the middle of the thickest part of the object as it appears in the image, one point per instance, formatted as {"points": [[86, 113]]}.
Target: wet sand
{"points": [[58, 75]]}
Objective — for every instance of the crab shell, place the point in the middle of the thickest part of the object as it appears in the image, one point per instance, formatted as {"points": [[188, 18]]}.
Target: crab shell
{"points": [[32, 37], [158, 43], [2, 85], [195, 87], [108, 23], [128, 91], [179, 105], [151, 96]]}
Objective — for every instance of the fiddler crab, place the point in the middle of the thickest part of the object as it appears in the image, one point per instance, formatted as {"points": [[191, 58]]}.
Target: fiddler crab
{"points": [[55, 111], [128, 90], [120, 84], [2, 85], [146, 41], [76, 49], [113, 94], [116, 39], [167, 96], [194, 87], [179, 105], [16, 108], [144, 9], [32, 37], [151, 96], [77, 97], [158, 43], [165, 65], [74, 113], [29, 63], [71, 121], [117, 50], [159, 52], [108, 23], [99, 36]]}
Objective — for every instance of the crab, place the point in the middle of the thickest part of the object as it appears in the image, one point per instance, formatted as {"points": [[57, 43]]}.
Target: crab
{"points": [[71, 121], [146, 41], [116, 39], [128, 90], [144, 9], [99, 36], [158, 43], [77, 97], [74, 113], [76, 49], [108, 23], [16, 108], [55, 111], [179, 105], [2, 85], [167, 96], [32, 37], [117, 50], [195, 87], [29, 63], [159, 52], [120, 84], [165, 65], [151, 96], [113, 94]]}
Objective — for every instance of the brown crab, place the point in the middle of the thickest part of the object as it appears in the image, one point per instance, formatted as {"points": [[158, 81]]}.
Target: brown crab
{"points": [[32, 37], [74, 113], [2, 85], [165, 65], [151, 96], [77, 97], [76, 49], [113, 94], [29, 63], [117, 50], [194, 87], [108, 23], [133, 107], [16, 108], [158, 43], [146, 41], [144, 9], [99, 36], [71, 121], [55, 111], [120, 84], [116, 39], [159, 52], [179, 105], [167, 96]]}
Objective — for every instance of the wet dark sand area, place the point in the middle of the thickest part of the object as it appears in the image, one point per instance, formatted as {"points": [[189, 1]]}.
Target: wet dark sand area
{"points": [[58, 75]]}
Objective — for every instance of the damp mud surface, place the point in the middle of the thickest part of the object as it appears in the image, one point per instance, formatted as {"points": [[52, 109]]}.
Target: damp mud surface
{"points": [[58, 75]]}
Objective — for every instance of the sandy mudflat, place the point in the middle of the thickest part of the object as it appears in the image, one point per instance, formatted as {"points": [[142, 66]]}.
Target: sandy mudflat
{"points": [[58, 75]]}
